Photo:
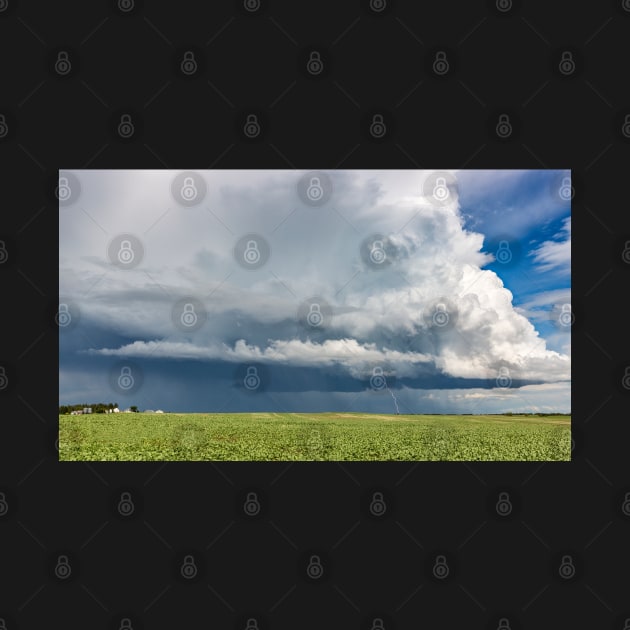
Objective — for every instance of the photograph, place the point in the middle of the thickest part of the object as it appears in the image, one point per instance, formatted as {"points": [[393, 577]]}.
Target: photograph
{"points": [[315, 315]]}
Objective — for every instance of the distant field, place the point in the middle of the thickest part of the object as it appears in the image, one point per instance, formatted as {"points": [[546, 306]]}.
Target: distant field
{"points": [[307, 437]]}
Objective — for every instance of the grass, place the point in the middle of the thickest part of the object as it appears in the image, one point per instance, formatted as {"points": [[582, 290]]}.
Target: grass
{"points": [[307, 437]]}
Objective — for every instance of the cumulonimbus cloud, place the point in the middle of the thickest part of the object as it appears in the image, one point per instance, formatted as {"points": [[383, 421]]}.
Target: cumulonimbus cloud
{"points": [[379, 315]]}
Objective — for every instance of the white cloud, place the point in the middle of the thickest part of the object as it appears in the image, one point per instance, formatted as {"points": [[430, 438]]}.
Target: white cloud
{"points": [[556, 254], [379, 315]]}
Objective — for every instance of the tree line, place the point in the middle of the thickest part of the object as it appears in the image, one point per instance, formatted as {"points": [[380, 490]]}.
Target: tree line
{"points": [[96, 407]]}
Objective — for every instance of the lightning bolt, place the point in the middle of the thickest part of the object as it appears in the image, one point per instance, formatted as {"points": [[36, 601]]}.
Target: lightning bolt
{"points": [[394, 397]]}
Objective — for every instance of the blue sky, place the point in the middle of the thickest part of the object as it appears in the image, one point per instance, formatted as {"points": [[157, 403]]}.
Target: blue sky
{"points": [[431, 291]]}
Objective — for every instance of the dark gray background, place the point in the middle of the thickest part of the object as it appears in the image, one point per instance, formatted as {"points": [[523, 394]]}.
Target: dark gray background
{"points": [[374, 62]]}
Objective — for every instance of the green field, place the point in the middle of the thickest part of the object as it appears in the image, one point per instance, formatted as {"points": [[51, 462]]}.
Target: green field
{"points": [[308, 437]]}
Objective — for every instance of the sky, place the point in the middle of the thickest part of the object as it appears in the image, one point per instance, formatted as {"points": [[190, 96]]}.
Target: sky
{"points": [[377, 291]]}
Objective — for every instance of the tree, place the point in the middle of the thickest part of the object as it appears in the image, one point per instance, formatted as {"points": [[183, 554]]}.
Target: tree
{"points": [[134, 408]]}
